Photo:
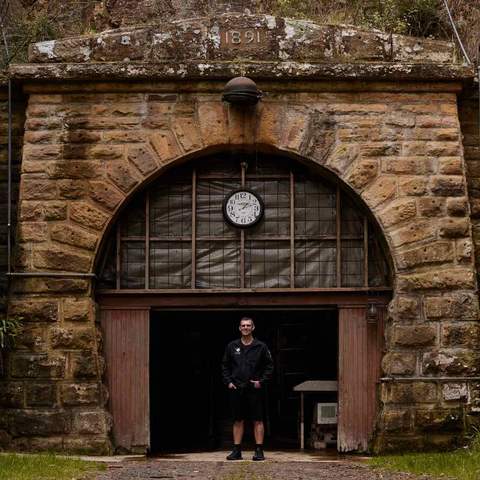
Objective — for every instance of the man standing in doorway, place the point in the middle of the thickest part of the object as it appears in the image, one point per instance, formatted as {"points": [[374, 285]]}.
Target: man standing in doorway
{"points": [[246, 366]]}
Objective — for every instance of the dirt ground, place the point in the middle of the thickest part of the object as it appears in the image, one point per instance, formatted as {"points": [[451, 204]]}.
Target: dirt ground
{"points": [[245, 470]]}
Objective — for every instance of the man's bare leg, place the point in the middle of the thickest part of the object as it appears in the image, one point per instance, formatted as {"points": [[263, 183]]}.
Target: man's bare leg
{"points": [[259, 432], [238, 427]]}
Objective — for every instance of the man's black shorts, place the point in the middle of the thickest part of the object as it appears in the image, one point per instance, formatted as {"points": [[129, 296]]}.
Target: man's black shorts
{"points": [[247, 403]]}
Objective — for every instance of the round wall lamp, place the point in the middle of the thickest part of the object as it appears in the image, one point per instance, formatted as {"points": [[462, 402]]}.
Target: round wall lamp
{"points": [[241, 91]]}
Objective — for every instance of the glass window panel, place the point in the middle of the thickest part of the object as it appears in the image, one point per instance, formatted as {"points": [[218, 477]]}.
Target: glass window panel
{"points": [[218, 264], [315, 264], [133, 265], [352, 263], [171, 208], [377, 264], [223, 166], [133, 218], [315, 208], [267, 264], [170, 264], [210, 197], [276, 197], [268, 166], [108, 272], [351, 219]]}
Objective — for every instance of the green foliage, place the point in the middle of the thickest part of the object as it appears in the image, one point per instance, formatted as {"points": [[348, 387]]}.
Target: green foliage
{"points": [[462, 464], [10, 328], [44, 467]]}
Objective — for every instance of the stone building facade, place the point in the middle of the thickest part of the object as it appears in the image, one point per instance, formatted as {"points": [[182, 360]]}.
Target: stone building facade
{"points": [[392, 118]]}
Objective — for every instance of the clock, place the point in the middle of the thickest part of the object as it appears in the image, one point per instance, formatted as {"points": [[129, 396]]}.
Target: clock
{"points": [[243, 208]]}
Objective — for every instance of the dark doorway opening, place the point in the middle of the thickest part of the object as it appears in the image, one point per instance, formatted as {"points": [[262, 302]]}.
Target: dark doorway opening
{"points": [[188, 403]]}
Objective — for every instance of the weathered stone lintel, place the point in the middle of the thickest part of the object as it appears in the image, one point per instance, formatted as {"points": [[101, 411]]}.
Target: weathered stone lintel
{"points": [[193, 70]]}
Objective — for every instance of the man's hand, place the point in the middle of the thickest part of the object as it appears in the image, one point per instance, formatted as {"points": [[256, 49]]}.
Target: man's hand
{"points": [[256, 384], [231, 386]]}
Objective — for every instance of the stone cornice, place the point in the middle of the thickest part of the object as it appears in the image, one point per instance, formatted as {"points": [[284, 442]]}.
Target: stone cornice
{"points": [[257, 70]]}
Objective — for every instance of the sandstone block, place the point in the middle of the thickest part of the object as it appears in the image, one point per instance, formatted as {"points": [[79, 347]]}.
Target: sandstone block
{"points": [[463, 306], [414, 335], [454, 227], [397, 421], [450, 166], [88, 445], [48, 444], [453, 278], [464, 250], [34, 310], [95, 422], [464, 335], [188, 133], [41, 394], [122, 176], [295, 128], [448, 186], [340, 158], [404, 306], [105, 195], [32, 232], [415, 165], [12, 395], [400, 119], [84, 365], [72, 189], [165, 146], [380, 149], [68, 338], [73, 236], [56, 258], [399, 363], [124, 136], [363, 173], [31, 423], [37, 189], [381, 190], [50, 285], [77, 394], [413, 232], [55, 210], [412, 185], [431, 206], [88, 216], [398, 211], [79, 136], [142, 158], [445, 420], [417, 392], [454, 392], [42, 153], [451, 363], [37, 366], [45, 136], [77, 310], [457, 207], [212, 122], [437, 252]]}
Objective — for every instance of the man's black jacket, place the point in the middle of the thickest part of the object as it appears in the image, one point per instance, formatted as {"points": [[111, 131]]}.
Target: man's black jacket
{"points": [[242, 363]]}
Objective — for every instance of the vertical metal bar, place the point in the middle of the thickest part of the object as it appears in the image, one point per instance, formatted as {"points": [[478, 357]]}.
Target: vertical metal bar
{"points": [[292, 230], [302, 421], [365, 251], [242, 240], [147, 240], [194, 228], [9, 181], [339, 242], [118, 256]]}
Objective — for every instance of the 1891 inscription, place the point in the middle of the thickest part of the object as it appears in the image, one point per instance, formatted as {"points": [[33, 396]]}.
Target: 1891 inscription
{"points": [[239, 37]]}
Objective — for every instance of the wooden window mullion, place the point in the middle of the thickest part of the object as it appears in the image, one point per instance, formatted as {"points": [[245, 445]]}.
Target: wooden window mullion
{"points": [[339, 241], [119, 257], [365, 252], [292, 230], [194, 228], [242, 238], [147, 240]]}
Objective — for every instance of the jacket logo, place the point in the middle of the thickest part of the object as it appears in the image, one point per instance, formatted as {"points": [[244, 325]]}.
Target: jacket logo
{"points": [[237, 350]]}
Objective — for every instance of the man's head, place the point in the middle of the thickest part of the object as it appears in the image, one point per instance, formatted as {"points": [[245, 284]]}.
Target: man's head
{"points": [[246, 326]]}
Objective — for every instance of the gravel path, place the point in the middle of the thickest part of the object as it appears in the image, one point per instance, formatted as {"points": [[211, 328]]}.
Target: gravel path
{"points": [[215, 470]]}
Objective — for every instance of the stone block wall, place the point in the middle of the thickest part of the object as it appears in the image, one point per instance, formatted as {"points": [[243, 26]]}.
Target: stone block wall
{"points": [[18, 120], [85, 153]]}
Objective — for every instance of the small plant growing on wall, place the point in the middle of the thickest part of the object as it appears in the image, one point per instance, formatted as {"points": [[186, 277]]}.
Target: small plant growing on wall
{"points": [[10, 328]]}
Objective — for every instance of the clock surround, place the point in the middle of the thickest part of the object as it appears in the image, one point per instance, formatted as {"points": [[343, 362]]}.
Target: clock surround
{"points": [[232, 211]]}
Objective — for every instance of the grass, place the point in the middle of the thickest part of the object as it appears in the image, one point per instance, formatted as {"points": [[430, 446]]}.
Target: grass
{"points": [[463, 464], [45, 467]]}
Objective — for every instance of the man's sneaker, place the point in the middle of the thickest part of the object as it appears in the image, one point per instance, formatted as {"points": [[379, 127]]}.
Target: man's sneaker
{"points": [[235, 455], [258, 455]]}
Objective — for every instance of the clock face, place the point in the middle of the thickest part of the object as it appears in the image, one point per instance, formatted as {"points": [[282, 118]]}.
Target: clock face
{"points": [[243, 208]]}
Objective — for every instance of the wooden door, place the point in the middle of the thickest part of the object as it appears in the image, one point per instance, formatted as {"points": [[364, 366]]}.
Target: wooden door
{"points": [[126, 345], [360, 349]]}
